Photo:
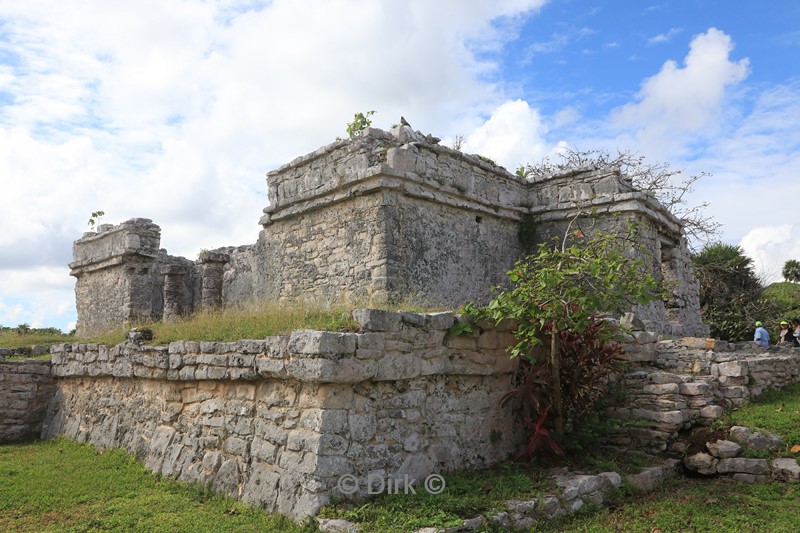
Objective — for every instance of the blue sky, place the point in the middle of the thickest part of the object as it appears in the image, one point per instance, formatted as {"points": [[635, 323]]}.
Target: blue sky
{"points": [[175, 111]]}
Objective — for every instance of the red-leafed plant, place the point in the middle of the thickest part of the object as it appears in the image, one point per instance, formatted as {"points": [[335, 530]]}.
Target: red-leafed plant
{"points": [[587, 361], [539, 441]]}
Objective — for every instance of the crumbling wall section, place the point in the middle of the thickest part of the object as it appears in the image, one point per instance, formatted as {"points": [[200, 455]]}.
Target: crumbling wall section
{"points": [[26, 388], [114, 271], [677, 384]]}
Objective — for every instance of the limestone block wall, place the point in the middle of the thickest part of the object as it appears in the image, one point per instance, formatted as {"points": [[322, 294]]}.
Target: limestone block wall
{"points": [[691, 382], [449, 255], [277, 422], [333, 255], [26, 388], [114, 274]]}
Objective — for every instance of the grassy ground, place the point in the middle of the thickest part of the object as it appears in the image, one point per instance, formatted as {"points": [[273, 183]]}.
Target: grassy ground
{"points": [[696, 505], [11, 338], [250, 322], [60, 485], [777, 411], [254, 321]]}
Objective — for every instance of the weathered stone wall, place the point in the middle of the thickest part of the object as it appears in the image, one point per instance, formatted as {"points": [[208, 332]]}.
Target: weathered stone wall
{"points": [[678, 384], [334, 255], [238, 279], [445, 255], [114, 274], [277, 422], [387, 216], [26, 387]]}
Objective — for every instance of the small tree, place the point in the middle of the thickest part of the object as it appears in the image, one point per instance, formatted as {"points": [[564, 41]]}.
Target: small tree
{"points": [[791, 270], [94, 218], [561, 295], [731, 296], [361, 121], [668, 186]]}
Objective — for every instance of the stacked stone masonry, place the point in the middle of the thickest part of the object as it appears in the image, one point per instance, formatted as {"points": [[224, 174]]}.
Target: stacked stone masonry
{"points": [[389, 215], [675, 385], [277, 422], [26, 388], [723, 457]]}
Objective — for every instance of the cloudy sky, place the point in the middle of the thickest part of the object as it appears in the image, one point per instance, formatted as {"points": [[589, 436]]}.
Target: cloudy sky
{"points": [[175, 110]]}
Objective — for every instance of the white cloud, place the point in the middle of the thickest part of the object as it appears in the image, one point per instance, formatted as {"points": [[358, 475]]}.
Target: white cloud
{"points": [[512, 136], [39, 296], [680, 104], [770, 247], [664, 37]]}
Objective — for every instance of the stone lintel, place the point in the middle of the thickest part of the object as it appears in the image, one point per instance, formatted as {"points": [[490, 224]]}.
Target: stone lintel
{"points": [[127, 257], [135, 240], [629, 202], [383, 178]]}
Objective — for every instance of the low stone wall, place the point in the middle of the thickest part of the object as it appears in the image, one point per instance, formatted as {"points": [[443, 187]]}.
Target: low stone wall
{"points": [[677, 384], [26, 387], [278, 422]]}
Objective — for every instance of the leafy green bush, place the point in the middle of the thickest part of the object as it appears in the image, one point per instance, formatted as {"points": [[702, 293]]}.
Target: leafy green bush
{"points": [[560, 297]]}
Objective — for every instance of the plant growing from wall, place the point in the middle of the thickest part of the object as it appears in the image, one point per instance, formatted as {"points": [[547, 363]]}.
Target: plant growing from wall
{"points": [[561, 296], [94, 219], [361, 121]]}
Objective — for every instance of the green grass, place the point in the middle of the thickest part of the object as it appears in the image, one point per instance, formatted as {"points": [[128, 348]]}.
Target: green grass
{"points": [[466, 495], [776, 411], [697, 506], [254, 321], [249, 322], [9, 338], [60, 485]]}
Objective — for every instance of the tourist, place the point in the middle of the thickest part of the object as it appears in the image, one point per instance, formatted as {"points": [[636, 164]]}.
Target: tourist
{"points": [[796, 323], [761, 337], [786, 336]]}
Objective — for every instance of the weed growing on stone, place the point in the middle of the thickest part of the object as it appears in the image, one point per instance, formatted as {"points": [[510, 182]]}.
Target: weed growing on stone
{"points": [[255, 321]]}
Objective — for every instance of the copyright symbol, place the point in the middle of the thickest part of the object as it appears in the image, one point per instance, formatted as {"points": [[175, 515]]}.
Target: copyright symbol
{"points": [[434, 484], [347, 484]]}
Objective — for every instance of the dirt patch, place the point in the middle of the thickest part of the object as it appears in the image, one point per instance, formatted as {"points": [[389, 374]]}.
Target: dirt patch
{"points": [[696, 442]]}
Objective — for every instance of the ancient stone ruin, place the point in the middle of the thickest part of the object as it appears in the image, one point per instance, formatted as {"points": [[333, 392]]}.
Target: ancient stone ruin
{"points": [[386, 216], [280, 422]]}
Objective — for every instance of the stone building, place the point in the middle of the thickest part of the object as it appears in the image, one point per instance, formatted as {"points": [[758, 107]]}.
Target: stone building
{"points": [[389, 215]]}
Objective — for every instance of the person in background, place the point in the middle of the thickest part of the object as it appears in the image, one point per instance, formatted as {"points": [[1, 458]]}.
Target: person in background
{"points": [[786, 336], [761, 336], [796, 323]]}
